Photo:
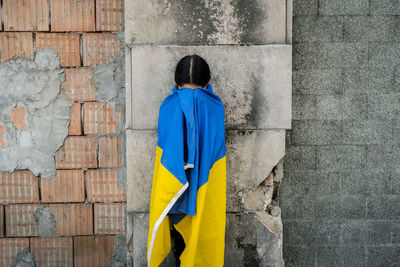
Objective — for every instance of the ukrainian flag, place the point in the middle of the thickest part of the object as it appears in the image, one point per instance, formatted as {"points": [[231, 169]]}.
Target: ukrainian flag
{"points": [[189, 182]]}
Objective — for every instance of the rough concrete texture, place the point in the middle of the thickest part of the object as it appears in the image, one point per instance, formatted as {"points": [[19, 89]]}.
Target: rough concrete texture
{"points": [[254, 84], [340, 193], [24, 258], [206, 22], [259, 198], [251, 155], [45, 222], [140, 153], [30, 139], [252, 239], [256, 92], [119, 257], [109, 80], [138, 249]]}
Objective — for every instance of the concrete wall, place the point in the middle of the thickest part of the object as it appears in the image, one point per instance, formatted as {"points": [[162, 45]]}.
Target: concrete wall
{"points": [[247, 45], [340, 193]]}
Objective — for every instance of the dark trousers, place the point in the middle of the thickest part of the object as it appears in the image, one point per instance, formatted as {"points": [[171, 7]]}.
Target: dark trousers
{"points": [[178, 244]]}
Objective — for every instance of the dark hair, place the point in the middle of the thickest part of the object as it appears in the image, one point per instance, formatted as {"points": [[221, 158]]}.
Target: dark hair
{"points": [[192, 69]]}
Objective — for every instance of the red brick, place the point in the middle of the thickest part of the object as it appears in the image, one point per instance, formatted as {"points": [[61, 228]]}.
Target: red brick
{"points": [[52, 251], [16, 44], [67, 186], [18, 116], [9, 248], [75, 126], [110, 148], [99, 47], [109, 218], [26, 15], [72, 15], [77, 152], [93, 251], [3, 133], [67, 45], [19, 187], [109, 15], [102, 186], [73, 219], [100, 119], [1, 220], [20, 220], [77, 84]]}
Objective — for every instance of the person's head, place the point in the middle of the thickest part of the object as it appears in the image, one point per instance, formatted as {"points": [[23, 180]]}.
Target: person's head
{"points": [[192, 69]]}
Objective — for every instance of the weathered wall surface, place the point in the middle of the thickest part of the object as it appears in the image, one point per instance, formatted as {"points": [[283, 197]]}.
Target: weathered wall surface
{"points": [[62, 134], [254, 83], [34, 115], [340, 192]]}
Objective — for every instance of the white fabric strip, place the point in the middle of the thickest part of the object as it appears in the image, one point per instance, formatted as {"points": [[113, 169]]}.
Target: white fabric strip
{"points": [[187, 166], [163, 214]]}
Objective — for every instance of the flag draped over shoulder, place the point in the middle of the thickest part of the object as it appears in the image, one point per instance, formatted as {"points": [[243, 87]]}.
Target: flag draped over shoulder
{"points": [[189, 182]]}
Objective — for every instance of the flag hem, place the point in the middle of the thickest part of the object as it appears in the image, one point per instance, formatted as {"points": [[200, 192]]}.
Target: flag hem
{"points": [[161, 218]]}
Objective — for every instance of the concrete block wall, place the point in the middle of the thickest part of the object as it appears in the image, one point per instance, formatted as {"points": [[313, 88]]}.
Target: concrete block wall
{"points": [[248, 47], [340, 192], [66, 206]]}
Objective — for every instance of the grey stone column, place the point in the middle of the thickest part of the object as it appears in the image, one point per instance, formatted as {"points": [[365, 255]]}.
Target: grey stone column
{"points": [[248, 47]]}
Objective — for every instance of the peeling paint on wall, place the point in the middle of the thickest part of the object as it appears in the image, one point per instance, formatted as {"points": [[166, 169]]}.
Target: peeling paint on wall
{"points": [[34, 114]]}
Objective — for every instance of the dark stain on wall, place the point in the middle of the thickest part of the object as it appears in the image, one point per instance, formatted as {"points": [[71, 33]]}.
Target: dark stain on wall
{"points": [[250, 15]]}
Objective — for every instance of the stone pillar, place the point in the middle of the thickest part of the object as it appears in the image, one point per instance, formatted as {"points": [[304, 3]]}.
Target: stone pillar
{"points": [[248, 47]]}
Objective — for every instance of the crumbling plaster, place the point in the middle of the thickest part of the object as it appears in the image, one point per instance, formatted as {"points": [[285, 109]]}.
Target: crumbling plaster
{"points": [[34, 120], [30, 139]]}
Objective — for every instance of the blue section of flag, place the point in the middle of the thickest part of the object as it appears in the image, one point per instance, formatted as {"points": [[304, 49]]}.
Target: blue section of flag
{"points": [[191, 132]]}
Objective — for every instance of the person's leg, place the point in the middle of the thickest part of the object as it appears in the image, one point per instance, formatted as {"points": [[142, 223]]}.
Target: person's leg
{"points": [[179, 244]]}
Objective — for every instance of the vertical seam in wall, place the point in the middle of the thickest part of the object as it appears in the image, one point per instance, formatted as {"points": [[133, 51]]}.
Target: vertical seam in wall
{"points": [[82, 123], [286, 22], [2, 14], [73, 251], [343, 28], [85, 184], [369, 7], [34, 43], [130, 87], [315, 257], [316, 156], [81, 49], [40, 188], [93, 218], [97, 151], [94, 12], [391, 237], [49, 14], [4, 220], [318, 7]]}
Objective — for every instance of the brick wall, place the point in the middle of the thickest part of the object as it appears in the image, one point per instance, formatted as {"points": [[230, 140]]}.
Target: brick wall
{"points": [[341, 190], [88, 204]]}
